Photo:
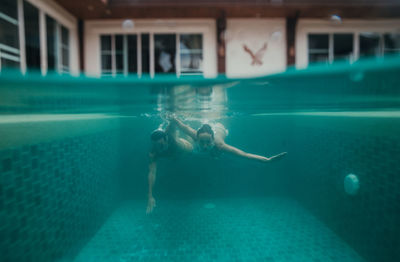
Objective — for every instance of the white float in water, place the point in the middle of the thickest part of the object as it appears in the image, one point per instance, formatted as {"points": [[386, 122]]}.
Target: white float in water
{"points": [[351, 184]]}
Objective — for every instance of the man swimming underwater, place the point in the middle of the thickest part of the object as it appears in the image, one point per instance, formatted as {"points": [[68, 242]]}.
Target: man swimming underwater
{"points": [[212, 140], [164, 144]]}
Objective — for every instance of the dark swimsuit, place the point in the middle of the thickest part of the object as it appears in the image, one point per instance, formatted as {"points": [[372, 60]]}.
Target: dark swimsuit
{"points": [[172, 149]]}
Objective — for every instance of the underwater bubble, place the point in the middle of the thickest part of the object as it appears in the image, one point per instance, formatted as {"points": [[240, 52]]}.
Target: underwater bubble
{"points": [[209, 205], [128, 24], [357, 76], [351, 184]]}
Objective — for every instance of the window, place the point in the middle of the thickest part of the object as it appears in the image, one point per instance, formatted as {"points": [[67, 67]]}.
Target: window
{"points": [[106, 55], [118, 54], [57, 38], [64, 50], [191, 54], [130, 54], [318, 48], [392, 43], [342, 46], [32, 41], [330, 47], [378, 44], [52, 43], [164, 53], [145, 53], [9, 38], [370, 44]]}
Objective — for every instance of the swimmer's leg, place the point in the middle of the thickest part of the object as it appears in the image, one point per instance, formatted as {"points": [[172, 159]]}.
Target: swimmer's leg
{"points": [[184, 145]]}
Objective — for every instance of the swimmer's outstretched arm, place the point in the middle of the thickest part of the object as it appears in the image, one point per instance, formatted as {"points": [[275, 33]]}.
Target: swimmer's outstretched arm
{"points": [[185, 128], [151, 203], [236, 151]]}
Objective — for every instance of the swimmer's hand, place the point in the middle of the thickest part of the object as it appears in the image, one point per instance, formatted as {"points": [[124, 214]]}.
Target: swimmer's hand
{"points": [[268, 159], [170, 117], [151, 204]]}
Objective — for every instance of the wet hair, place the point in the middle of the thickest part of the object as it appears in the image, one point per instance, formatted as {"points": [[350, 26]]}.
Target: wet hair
{"points": [[157, 135], [205, 129]]}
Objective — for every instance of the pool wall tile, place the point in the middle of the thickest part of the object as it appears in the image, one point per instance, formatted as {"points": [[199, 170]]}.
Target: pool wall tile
{"points": [[55, 195]]}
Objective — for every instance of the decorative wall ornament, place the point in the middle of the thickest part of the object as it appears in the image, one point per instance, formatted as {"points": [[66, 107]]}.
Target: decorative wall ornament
{"points": [[257, 57]]}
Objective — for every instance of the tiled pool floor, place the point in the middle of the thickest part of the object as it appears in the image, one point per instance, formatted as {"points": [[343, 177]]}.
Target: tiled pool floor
{"points": [[245, 229]]}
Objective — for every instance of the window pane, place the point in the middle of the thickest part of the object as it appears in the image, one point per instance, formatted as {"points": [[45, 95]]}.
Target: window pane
{"points": [[106, 63], [6, 63], [32, 43], [119, 43], [65, 48], [119, 51], [318, 48], [9, 34], [9, 8], [392, 43], [105, 43], [119, 63], [191, 53], [145, 53], [369, 44], [64, 36], [106, 58], [194, 42], [9, 38], [65, 59], [318, 41], [343, 46], [164, 53], [132, 53], [51, 43]]}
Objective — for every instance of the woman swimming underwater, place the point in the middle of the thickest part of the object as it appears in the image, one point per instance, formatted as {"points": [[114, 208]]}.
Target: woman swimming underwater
{"points": [[212, 140]]}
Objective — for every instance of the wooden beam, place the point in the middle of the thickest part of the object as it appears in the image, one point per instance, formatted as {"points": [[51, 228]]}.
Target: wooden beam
{"points": [[291, 23], [221, 47]]}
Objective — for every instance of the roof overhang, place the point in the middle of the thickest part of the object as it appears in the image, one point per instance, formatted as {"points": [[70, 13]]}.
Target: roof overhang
{"points": [[112, 9]]}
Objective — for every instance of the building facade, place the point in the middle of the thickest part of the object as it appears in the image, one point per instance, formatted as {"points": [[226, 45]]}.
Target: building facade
{"points": [[154, 37]]}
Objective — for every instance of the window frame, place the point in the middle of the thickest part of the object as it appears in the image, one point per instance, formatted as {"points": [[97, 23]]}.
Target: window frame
{"points": [[8, 52], [63, 20], [331, 45], [307, 26], [138, 35]]}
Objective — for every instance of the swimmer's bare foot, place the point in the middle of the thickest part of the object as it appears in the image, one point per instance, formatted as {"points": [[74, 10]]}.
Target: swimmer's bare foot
{"points": [[151, 204]]}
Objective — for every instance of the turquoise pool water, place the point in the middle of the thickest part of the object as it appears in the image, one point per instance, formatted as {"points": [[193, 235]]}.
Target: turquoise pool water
{"points": [[74, 163]]}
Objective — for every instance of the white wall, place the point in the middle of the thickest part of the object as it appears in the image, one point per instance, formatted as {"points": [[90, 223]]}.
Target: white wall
{"points": [[254, 33], [54, 10], [94, 28], [306, 26]]}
